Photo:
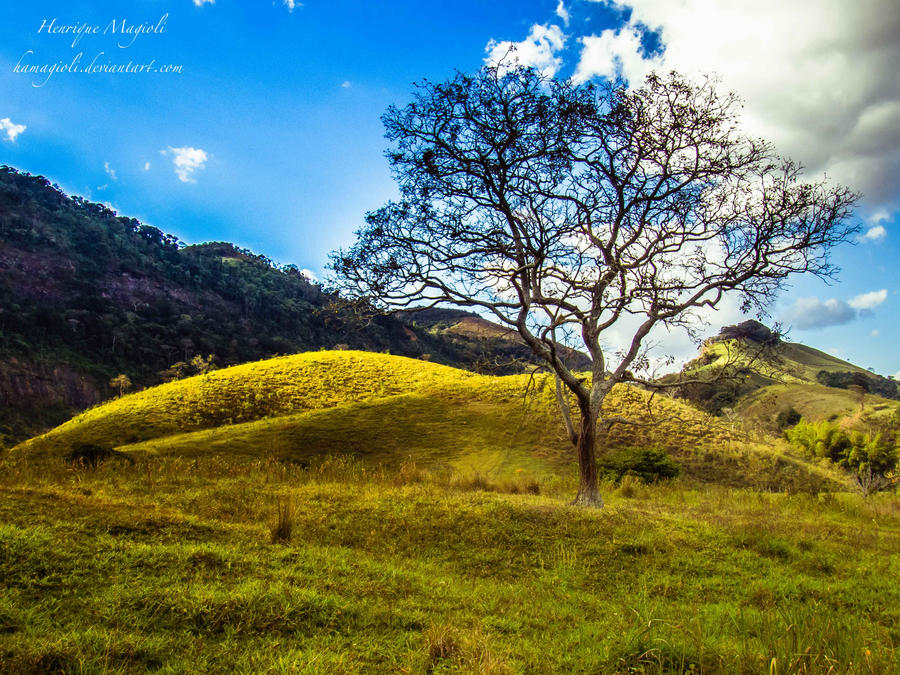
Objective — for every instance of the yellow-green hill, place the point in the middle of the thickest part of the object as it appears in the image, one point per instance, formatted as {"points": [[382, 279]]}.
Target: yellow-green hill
{"points": [[382, 408], [752, 373], [784, 361], [270, 388]]}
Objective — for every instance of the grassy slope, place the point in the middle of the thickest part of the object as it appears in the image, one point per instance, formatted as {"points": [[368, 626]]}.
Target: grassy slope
{"points": [[390, 410], [290, 384], [816, 402], [321, 402], [789, 380], [169, 566], [788, 362]]}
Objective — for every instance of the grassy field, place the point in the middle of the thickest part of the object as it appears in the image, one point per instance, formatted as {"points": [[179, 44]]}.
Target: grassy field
{"points": [[352, 513], [169, 565]]}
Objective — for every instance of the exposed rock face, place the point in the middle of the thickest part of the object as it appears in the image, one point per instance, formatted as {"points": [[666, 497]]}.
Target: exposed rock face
{"points": [[24, 383], [34, 396], [749, 330]]}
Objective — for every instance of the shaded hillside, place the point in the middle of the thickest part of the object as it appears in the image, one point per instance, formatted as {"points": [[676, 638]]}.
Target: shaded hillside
{"points": [[86, 294]]}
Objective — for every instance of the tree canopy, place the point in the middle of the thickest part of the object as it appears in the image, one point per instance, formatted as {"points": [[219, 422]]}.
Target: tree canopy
{"points": [[574, 210]]}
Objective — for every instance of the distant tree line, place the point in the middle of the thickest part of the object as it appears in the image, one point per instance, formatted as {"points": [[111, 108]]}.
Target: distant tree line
{"points": [[871, 383]]}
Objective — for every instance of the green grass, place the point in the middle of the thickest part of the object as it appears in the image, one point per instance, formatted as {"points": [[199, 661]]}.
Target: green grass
{"points": [[816, 402], [169, 566], [352, 512]]}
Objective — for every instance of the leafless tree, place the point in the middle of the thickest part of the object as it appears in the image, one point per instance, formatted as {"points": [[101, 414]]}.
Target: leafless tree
{"points": [[574, 209]]}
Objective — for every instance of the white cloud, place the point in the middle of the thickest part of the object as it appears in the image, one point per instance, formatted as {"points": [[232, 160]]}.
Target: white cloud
{"points": [[818, 77], [563, 13], [346, 84], [812, 313], [187, 161], [869, 300], [875, 233], [110, 171], [291, 4], [877, 230], [538, 50], [200, 3], [875, 332], [12, 130], [309, 274], [612, 54], [146, 166]]}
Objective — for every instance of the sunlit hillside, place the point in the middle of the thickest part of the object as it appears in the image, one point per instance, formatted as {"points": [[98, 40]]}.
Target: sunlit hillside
{"points": [[786, 361], [389, 410], [754, 376]]}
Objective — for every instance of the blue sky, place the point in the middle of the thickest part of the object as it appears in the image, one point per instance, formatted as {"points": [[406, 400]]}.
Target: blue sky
{"points": [[269, 136]]}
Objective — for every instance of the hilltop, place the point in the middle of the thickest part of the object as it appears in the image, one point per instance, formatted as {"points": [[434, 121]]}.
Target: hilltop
{"points": [[761, 375]]}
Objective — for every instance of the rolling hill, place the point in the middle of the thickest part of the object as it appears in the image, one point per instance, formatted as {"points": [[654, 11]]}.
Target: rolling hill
{"points": [[768, 376], [386, 410]]}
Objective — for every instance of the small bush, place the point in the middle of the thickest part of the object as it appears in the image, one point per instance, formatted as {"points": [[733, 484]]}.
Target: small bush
{"points": [[628, 486], [473, 482], [410, 473], [91, 455], [787, 418], [648, 466], [442, 643], [478, 482], [450, 649], [851, 450]]}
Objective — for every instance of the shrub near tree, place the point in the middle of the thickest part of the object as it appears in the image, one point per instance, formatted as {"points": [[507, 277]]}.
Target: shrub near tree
{"points": [[578, 213], [866, 456], [647, 465]]}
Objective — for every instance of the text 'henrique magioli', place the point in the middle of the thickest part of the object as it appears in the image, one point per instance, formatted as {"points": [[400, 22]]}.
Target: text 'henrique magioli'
{"points": [[129, 31]]}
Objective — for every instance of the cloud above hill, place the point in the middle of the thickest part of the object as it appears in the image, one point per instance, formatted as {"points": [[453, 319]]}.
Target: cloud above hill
{"points": [[812, 313], [10, 129]]}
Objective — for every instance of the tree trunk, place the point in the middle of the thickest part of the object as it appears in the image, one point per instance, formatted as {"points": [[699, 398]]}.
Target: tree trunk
{"points": [[588, 494]]}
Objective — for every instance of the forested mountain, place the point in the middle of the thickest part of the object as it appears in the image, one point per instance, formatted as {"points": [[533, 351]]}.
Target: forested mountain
{"points": [[87, 295]]}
